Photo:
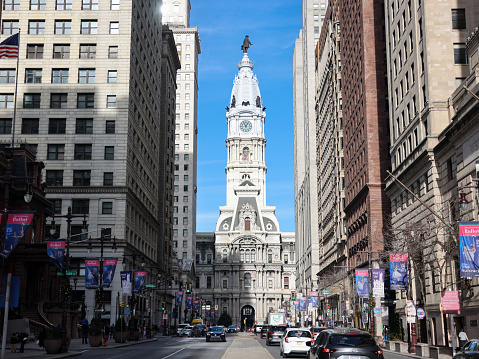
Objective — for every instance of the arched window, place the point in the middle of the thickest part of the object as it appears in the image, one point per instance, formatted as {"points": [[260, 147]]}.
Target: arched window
{"points": [[247, 257], [247, 280], [245, 155], [253, 256], [247, 224], [242, 255], [225, 256]]}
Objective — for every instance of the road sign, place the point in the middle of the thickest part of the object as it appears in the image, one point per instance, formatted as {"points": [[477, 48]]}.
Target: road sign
{"points": [[70, 273], [150, 286], [325, 291]]}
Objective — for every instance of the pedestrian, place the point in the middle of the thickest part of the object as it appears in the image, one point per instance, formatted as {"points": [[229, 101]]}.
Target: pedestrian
{"points": [[23, 337], [112, 331], [41, 338], [106, 334], [84, 331], [13, 341], [462, 338]]}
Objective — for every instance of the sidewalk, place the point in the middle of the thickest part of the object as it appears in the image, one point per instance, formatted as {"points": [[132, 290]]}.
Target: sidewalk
{"points": [[245, 348], [76, 348]]}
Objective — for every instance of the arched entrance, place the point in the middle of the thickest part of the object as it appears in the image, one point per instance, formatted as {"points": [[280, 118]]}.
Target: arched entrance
{"points": [[247, 317]]}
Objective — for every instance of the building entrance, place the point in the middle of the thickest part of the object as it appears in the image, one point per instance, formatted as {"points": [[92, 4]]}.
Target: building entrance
{"points": [[247, 317]]}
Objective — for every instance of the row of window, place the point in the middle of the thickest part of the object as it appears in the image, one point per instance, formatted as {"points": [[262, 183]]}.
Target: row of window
{"points": [[185, 199], [185, 220], [177, 188], [60, 5], [54, 178], [59, 76], [247, 282], [82, 152], [31, 126], [62, 51], [185, 234], [57, 100], [62, 27]]}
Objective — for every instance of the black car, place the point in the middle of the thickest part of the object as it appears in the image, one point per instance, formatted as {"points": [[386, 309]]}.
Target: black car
{"points": [[233, 329], [264, 331], [345, 342], [469, 351], [216, 333], [195, 331], [274, 334]]}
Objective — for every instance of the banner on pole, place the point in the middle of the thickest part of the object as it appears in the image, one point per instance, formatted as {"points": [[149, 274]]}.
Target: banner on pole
{"points": [[140, 279], [469, 248], [56, 252], [125, 283], [378, 282], [18, 225], [189, 301], [302, 304], [109, 267], [91, 273], [179, 297], [314, 299], [196, 305], [296, 305], [362, 284], [398, 270]]}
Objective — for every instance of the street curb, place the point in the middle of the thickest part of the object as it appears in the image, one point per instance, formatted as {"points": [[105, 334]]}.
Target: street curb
{"points": [[402, 354]]}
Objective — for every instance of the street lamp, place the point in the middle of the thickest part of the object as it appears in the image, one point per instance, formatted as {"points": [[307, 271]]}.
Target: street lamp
{"points": [[66, 284]]}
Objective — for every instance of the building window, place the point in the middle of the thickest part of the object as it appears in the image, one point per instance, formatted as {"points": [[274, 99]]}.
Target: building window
{"points": [[56, 207], [63, 4], [111, 101], [208, 259], [9, 27], [270, 283], [86, 76], [175, 234], [56, 152], [33, 76], [87, 51], [115, 5], [458, 19], [86, 100], [185, 209], [80, 206], [208, 282], [89, 27], [285, 259], [83, 152], [114, 28], [63, 27], [30, 126], [110, 126], [5, 126], [7, 76], [185, 198], [57, 126], [185, 220], [113, 52], [185, 233], [112, 76], [36, 27], [107, 208], [34, 51], [185, 244], [81, 177], [89, 5], [225, 283], [61, 51], [11, 5], [108, 179], [247, 280], [109, 153], [460, 56], [6, 100], [30, 100], [58, 100], [286, 283], [84, 126], [270, 257], [54, 178], [60, 76]]}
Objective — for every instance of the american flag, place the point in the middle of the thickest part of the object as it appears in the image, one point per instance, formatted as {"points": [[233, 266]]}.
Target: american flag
{"points": [[9, 47]]}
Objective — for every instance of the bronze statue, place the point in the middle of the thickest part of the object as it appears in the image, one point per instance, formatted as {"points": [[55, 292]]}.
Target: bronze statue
{"points": [[233, 102], [246, 44]]}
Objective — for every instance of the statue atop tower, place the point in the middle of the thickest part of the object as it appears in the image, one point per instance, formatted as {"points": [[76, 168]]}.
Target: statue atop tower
{"points": [[246, 44]]}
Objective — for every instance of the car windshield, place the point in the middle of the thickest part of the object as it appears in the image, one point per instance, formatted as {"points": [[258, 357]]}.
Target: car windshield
{"points": [[354, 340], [275, 328], [299, 334], [216, 329], [232, 326]]}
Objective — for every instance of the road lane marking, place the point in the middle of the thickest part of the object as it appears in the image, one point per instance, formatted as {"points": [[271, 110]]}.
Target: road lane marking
{"points": [[120, 355], [173, 353]]}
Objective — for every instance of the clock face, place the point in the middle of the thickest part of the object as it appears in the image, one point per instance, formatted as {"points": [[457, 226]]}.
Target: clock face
{"points": [[246, 126]]}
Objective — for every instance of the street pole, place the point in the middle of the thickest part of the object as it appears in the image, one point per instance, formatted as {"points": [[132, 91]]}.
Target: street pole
{"points": [[5, 317]]}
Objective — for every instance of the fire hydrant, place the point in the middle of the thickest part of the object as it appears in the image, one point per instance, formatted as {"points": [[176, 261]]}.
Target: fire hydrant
{"points": [[104, 340]]}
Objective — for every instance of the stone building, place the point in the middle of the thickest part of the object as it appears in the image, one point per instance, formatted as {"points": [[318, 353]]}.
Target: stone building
{"points": [[247, 267]]}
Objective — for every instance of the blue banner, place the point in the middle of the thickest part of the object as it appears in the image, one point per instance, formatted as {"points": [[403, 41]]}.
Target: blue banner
{"points": [[315, 302], [362, 284], [14, 292], [302, 304], [469, 245], [92, 270], [208, 313], [296, 305], [109, 266], [212, 315], [140, 279], [18, 225], [56, 252], [179, 298], [125, 282], [196, 305], [398, 271], [189, 300]]}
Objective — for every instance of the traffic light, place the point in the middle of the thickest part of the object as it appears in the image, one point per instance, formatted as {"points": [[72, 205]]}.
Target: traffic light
{"points": [[162, 305], [329, 308], [122, 304], [188, 288], [293, 295]]}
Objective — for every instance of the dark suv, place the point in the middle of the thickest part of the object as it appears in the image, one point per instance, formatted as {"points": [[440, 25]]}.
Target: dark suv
{"points": [[345, 342], [274, 334]]}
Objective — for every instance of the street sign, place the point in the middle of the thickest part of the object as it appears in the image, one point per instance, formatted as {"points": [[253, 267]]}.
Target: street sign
{"points": [[150, 286], [70, 273], [421, 314], [325, 291]]}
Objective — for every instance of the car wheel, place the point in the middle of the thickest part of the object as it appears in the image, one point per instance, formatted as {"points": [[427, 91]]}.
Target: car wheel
{"points": [[285, 355], [267, 343], [207, 340]]}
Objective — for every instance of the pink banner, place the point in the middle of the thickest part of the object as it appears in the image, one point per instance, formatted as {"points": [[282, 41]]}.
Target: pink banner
{"points": [[450, 302]]}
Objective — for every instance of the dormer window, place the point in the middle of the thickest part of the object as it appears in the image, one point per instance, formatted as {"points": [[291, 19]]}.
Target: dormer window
{"points": [[247, 224]]}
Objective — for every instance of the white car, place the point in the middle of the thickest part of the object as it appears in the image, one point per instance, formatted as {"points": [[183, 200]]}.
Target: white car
{"points": [[294, 341]]}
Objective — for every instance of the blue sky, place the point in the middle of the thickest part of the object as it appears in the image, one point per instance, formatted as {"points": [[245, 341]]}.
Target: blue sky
{"points": [[273, 27]]}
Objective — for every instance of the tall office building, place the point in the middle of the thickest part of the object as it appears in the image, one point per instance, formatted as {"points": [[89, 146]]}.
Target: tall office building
{"points": [[305, 143], [89, 101], [176, 13]]}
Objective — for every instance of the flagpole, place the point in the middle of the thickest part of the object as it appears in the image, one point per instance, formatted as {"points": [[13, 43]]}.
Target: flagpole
{"points": [[16, 92]]}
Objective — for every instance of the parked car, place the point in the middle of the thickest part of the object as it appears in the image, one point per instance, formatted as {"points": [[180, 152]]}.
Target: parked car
{"points": [[275, 332], [316, 330], [216, 333], [295, 341], [264, 331], [233, 329], [469, 351], [345, 342]]}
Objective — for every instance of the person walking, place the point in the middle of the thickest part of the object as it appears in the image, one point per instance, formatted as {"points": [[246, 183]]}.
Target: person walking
{"points": [[41, 338], [84, 332], [13, 341], [463, 338], [23, 337], [106, 334], [112, 331]]}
